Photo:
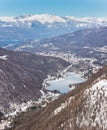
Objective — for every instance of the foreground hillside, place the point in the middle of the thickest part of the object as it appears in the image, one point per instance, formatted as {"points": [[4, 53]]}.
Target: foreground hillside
{"points": [[22, 75], [83, 108]]}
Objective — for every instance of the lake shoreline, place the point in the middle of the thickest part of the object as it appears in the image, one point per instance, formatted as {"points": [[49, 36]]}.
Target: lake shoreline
{"points": [[63, 82]]}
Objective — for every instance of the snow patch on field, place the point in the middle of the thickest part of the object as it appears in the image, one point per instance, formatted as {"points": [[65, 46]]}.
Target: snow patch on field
{"points": [[4, 57], [101, 49]]}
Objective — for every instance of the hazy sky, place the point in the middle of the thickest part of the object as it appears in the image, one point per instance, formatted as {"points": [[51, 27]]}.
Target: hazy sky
{"points": [[78, 8]]}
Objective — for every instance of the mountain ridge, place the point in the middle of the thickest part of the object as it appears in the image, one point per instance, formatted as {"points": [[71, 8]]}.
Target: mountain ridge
{"points": [[84, 49], [84, 107], [50, 18]]}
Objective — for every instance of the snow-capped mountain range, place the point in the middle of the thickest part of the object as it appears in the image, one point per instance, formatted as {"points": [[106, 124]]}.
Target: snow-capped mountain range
{"points": [[34, 27], [50, 19]]}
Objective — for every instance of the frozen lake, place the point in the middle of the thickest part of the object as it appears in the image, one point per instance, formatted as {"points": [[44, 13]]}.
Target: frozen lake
{"points": [[62, 84]]}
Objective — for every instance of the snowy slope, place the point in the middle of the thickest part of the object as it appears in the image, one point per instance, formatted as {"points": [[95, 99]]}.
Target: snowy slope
{"points": [[95, 106]]}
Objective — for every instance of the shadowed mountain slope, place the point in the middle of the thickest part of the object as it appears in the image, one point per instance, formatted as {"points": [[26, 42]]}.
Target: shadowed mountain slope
{"points": [[22, 75]]}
